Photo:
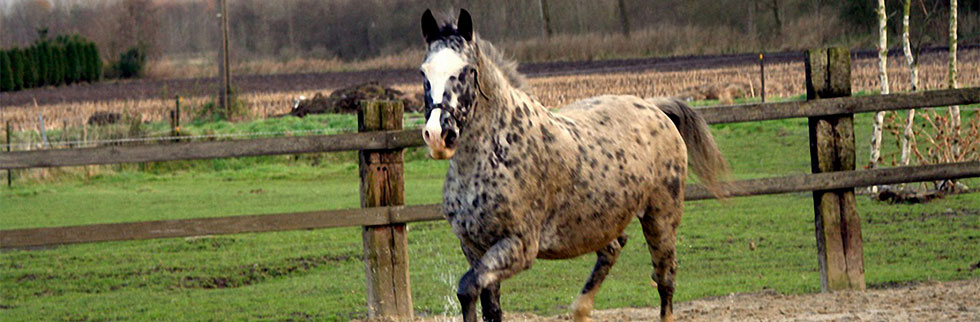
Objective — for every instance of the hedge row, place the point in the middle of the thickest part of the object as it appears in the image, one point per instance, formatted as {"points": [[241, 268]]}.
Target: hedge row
{"points": [[63, 60]]}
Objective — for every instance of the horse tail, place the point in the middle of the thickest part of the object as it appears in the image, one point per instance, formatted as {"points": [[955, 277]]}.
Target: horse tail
{"points": [[703, 154]]}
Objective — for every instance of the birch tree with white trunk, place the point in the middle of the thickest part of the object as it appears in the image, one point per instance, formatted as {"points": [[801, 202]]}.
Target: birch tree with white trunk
{"points": [[909, 136], [883, 76], [954, 111]]}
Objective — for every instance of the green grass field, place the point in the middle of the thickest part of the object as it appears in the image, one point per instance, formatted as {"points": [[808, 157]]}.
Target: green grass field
{"points": [[318, 274]]}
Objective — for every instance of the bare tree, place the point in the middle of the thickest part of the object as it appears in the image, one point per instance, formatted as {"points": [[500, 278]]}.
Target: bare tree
{"points": [[545, 17], [624, 18], [909, 136], [774, 6], [137, 23], [954, 111], [879, 117]]}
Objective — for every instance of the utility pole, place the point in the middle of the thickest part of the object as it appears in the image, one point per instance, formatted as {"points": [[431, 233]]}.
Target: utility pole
{"points": [[223, 68]]}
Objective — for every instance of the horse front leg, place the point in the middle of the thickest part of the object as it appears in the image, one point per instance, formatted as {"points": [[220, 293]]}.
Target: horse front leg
{"points": [[490, 295], [490, 301], [506, 258]]}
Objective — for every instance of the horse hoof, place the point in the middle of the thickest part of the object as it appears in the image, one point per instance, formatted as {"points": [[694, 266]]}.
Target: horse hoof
{"points": [[581, 310], [578, 317]]}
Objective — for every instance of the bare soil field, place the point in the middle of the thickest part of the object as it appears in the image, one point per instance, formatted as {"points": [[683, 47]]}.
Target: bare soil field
{"points": [[555, 84], [150, 88], [927, 301]]}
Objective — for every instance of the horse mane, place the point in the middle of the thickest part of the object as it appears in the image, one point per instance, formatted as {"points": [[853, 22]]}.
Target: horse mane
{"points": [[507, 66]]}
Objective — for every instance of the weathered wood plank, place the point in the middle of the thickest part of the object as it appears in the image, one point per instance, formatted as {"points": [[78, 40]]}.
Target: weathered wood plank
{"points": [[840, 105], [837, 224], [410, 214], [841, 180], [382, 175], [31, 237], [413, 137], [377, 265], [208, 150]]}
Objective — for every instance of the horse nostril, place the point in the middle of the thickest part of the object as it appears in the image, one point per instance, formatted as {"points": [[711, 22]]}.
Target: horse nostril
{"points": [[450, 138], [425, 134]]}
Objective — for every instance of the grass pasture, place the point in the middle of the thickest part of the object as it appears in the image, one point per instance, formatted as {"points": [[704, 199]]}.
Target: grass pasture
{"points": [[318, 274]]}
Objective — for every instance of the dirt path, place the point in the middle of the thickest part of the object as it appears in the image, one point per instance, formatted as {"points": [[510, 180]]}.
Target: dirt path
{"points": [[928, 301]]}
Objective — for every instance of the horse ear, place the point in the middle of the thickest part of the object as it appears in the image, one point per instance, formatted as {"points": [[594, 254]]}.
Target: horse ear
{"points": [[464, 25], [430, 28]]}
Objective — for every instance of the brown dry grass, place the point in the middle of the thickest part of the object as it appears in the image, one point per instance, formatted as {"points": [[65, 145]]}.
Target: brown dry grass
{"points": [[674, 40], [204, 66], [782, 80], [664, 39], [259, 105]]}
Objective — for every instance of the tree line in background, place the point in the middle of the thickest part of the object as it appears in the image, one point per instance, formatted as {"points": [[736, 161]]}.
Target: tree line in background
{"points": [[62, 60], [360, 29]]}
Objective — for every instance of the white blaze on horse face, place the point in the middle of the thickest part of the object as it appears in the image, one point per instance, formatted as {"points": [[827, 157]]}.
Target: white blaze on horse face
{"points": [[432, 131], [438, 68], [432, 134]]}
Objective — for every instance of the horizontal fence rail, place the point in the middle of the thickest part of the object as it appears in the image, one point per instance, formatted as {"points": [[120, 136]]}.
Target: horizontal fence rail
{"points": [[839, 105], [212, 149], [34, 237], [413, 138]]}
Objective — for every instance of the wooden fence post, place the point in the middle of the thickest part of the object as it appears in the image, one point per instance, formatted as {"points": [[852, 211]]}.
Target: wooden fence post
{"points": [[838, 226], [224, 69], [762, 76], [10, 145], [385, 247], [175, 121]]}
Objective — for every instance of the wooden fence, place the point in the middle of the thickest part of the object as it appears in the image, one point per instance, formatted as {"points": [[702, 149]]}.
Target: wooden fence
{"points": [[383, 215]]}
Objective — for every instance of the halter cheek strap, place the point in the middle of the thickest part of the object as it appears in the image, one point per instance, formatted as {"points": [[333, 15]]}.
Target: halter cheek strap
{"points": [[476, 71], [479, 88]]}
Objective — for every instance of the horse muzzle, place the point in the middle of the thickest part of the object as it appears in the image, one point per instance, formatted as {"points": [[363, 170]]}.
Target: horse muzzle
{"points": [[438, 148], [442, 144]]}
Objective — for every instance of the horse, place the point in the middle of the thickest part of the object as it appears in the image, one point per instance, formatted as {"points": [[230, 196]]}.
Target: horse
{"points": [[525, 183]]}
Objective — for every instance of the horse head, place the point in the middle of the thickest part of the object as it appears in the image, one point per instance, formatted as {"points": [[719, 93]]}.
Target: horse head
{"points": [[449, 72]]}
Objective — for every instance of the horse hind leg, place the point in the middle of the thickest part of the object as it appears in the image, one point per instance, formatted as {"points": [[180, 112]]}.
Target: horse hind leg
{"points": [[659, 228], [605, 259]]}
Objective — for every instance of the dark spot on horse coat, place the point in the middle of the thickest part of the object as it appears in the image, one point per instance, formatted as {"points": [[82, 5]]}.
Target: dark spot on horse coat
{"points": [[673, 185], [621, 155], [547, 136]]}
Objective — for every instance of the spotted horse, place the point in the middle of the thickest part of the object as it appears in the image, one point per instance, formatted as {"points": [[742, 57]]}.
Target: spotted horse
{"points": [[525, 183]]}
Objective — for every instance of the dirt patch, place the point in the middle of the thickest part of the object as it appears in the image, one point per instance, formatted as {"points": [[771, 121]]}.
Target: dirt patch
{"points": [[928, 301], [347, 100]]}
